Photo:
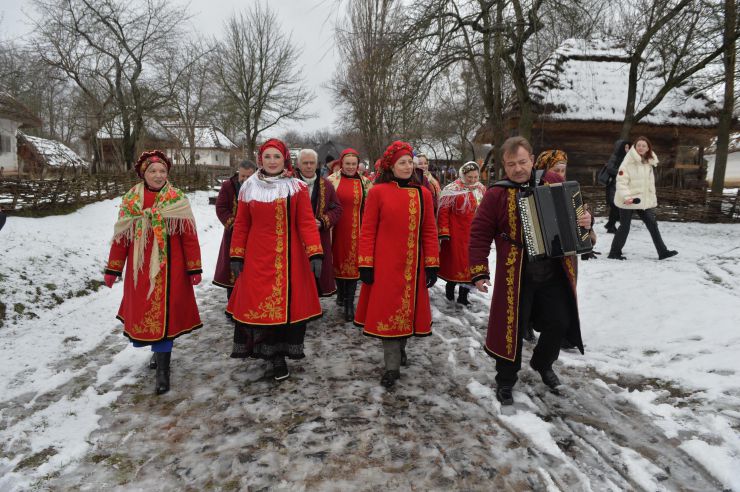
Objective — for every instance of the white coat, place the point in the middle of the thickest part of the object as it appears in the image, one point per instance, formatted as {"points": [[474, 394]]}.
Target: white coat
{"points": [[635, 179]]}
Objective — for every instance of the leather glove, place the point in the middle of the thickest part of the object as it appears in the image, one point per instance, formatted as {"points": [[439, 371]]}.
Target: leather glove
{"points": [[316, 264], [236, 267], [367, 275], [590, 256], [109, 280], [431, 276], [195, 279]]}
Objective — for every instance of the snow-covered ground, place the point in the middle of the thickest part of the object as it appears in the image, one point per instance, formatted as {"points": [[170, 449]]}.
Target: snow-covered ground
{"points": [[653, 405]]}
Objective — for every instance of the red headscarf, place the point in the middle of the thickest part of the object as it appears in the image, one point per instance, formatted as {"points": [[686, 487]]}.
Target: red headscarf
{"points": [[280, 146], [349, 151], [148, 157], [395, 151]]}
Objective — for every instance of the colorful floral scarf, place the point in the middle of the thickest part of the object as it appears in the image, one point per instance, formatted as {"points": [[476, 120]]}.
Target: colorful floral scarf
{"points": [[170, 214]]}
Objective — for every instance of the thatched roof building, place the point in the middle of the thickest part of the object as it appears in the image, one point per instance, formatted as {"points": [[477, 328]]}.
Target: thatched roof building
{"points": [[41, 157], [580, 95]]}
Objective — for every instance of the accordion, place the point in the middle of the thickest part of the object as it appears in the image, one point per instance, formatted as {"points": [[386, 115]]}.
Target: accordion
{"points": [[550, 221]]}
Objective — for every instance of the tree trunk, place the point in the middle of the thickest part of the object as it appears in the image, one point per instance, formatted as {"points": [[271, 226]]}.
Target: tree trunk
{"points": [[725, 118]]}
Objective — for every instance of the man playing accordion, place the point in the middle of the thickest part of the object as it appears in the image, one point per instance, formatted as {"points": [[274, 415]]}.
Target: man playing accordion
{"points": [[543, 290]]}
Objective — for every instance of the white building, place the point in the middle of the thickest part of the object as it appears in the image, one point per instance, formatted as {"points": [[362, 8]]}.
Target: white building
{"points": [[13, 115], [212, 146]]}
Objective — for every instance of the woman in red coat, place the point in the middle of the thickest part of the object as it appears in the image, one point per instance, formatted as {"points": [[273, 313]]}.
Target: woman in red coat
{"points": [[155, 240], [352, 189], [398, 259], [276, 256], [458, 202]]}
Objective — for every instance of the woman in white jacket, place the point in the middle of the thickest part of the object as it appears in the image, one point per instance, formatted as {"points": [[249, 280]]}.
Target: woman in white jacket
{"points": [[636, 191]]}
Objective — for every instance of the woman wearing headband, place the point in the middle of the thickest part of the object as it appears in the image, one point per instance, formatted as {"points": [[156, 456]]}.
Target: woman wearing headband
{"points": [[156, 242], [457, 205], [276, 258], [398, 259]]}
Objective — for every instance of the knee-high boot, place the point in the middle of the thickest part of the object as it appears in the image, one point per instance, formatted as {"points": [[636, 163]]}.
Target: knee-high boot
{"points": [[163, 372], [349, 300]]}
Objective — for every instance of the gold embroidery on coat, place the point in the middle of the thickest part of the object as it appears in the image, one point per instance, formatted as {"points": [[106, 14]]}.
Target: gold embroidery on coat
{"points": [[402, 317], [274, 306]]}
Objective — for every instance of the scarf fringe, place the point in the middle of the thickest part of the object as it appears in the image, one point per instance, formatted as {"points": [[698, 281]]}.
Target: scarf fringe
{"points": [[266, 190]]}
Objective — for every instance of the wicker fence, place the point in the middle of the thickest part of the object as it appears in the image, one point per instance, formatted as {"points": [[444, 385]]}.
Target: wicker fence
{"points": [[18, 195], [679, 205]]}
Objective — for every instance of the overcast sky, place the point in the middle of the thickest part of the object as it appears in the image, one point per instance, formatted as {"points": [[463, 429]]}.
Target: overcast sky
{"points": [[310, 21]]}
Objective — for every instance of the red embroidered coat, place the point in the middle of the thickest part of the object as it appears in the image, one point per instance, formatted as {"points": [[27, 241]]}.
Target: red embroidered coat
{"points": [[455, 217], [226, 205], [398, 240], [275, 240], [497, 220], [171, 309], [351, 191]]}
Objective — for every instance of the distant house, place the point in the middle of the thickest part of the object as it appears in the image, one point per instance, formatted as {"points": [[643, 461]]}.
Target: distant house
{"points": [[13, 115], [329, 151], [110, 142], [580, 94], [212, 146], [40, 157]]}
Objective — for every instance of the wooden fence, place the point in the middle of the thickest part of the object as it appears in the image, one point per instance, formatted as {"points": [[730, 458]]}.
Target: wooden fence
{"points": [[19, 194], [676, 205]]}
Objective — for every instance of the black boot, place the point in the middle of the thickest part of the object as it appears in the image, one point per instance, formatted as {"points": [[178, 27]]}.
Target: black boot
{"points": [[462, 296], [153, 361], [404, 359], [389, 378], [280, 368], [504, 394], [450, 291], [163, 372], [340, 292], [548, 376], [349, 300]]}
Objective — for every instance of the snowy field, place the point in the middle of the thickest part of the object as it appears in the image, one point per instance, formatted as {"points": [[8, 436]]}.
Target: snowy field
{"points": [[653, 405]]}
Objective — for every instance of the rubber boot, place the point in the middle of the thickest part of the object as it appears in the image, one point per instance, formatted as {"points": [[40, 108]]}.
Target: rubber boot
{"points": [[280, 369], [349, 300], [450, 291], [163, 372], [153, 361], [462, 296]]}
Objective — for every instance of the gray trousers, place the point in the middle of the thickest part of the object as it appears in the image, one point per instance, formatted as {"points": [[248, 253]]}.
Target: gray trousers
{"points": [[392, 353]]}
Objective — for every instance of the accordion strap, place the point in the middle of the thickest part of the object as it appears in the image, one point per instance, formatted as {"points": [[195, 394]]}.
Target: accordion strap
{"points": [[513, 241]]}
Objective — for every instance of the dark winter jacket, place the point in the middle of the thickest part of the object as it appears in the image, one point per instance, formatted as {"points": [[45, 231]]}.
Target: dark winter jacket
{"points": [[2, 219], [612, 165]]}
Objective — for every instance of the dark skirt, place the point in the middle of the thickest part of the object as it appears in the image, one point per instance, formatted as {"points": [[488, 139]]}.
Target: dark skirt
{"points": [[269, 342]]}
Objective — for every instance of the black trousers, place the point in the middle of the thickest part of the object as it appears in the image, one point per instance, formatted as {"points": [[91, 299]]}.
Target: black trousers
{"points": [[651, 223], [613, 209], [548, 305]]}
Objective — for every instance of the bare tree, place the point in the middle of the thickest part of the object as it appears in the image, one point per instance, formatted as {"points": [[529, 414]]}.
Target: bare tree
{"points": [[380, 83], [118, 41], [187, 74], [725, 120], [258, 73], [667, 38]]}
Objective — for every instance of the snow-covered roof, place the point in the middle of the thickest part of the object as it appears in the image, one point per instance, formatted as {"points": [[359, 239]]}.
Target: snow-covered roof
{"points": [[210, 137], [438, 150], [206, 137], [53, 153], [12, 109], [114, 130], [586, 80]]}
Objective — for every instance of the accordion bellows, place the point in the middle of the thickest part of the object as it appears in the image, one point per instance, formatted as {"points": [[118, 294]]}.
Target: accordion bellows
{"points": [[550, 221]]}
